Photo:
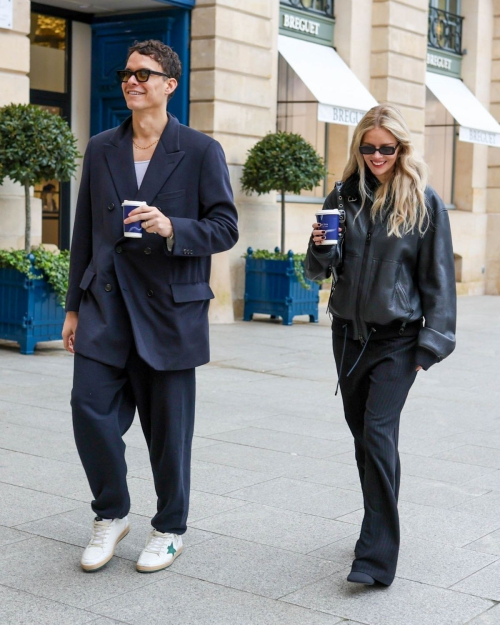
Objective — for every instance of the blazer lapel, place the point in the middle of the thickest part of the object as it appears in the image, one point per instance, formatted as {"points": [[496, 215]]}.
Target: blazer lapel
{"points": [[120, 157], [165, 159]]}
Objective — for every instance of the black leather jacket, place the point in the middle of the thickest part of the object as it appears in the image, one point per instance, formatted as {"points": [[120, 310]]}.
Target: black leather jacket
{"points": [[382, 280]]}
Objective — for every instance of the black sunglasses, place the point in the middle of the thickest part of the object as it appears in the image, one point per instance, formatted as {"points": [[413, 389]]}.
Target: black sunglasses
{"points": [[385, 150], [141, 75]]}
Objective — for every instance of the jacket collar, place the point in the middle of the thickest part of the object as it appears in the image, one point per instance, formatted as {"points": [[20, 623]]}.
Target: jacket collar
{"points": [[120, 157], [351, 185]]}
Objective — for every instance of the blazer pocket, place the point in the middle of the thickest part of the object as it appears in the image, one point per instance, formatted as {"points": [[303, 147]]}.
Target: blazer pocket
{"points": [[191, 292], [171, 195], [88, 276]]}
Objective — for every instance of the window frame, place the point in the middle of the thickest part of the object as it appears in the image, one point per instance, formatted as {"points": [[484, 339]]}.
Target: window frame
{"points": [[62, 101], [305, 199]]}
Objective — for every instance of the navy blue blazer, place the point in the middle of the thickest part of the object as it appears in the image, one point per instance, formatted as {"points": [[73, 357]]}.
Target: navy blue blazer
{"points": [[128, 289]]}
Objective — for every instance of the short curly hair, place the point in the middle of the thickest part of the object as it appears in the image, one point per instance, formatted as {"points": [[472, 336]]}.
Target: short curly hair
{"points": [[162, 54]]}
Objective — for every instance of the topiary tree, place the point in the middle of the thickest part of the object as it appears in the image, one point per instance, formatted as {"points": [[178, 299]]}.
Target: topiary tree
{"points": [[35, 145], [283, 162]]}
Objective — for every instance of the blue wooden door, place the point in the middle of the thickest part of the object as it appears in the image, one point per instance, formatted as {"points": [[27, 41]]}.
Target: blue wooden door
{"points": [[110, 42]]}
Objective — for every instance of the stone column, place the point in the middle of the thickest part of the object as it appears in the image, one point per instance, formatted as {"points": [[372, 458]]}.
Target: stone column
{"points": [[399, 53], [469, 221], [14, 68], [233, 99], [493, 200]]}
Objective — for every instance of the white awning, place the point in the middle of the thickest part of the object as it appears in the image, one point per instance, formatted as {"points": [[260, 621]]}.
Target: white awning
{"points": [[477, 125], [342, 97]]}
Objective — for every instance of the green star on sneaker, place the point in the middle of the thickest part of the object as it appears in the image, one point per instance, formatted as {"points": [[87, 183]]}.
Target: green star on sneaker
{"points": [[160, 551], [171, 549]]}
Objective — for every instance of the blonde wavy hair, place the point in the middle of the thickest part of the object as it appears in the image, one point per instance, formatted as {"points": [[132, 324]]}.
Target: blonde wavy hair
{"points": [[404, 192]]}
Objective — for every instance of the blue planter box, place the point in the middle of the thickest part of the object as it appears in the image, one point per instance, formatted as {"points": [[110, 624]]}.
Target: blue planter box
{"points": [[29, 310], [272, 288]]}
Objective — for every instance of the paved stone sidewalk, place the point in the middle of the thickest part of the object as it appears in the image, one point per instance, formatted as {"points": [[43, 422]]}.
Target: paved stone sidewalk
{"points": [[276, 505]]}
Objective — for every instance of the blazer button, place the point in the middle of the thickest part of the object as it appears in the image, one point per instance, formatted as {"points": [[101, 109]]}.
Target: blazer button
{"points": [[184, 251], [150, 293], [119, 249], [147, 251], [108, 287], [111, 206]]}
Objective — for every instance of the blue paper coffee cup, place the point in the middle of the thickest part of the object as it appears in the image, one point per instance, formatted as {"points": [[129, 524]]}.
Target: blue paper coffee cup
{"points": [[329, 220], [133, 230]]}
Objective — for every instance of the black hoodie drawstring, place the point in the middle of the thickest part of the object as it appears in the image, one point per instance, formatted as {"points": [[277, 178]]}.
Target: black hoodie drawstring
{"points": [[342, 359], [362, 352]]}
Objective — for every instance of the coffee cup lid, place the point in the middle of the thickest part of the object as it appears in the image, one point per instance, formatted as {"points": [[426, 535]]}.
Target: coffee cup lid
{"points": [[328, 211], [133, 203]]}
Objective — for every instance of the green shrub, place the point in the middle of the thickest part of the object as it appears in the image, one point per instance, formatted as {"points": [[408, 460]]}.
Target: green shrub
{"points": [[283, 162], [35, 145], [54, 267]]}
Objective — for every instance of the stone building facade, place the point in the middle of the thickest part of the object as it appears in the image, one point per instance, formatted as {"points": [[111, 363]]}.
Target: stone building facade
{"points": [[241, 87]]}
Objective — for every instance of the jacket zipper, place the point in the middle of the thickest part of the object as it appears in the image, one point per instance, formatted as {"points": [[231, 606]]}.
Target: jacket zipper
{"points": [[361, 283]]}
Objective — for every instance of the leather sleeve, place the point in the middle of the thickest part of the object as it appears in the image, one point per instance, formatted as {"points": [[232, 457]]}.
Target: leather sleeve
{"points": [[81, 244], [320, 259], [436, 284]]}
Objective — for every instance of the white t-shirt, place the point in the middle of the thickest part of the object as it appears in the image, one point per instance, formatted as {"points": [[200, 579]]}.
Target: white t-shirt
{"points": [[140, 171]]}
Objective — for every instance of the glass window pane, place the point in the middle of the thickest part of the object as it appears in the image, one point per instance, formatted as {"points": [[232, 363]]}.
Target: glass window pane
{"points": [[48, 53], [298, 113], [49, 191], [439, 139]]}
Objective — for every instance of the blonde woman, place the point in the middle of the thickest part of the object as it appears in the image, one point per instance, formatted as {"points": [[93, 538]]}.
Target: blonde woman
{"points": [[393, 308]]}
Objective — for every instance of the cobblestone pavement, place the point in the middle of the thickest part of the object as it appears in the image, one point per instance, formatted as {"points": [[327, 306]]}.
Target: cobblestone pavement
{"points": [[276, 505]]}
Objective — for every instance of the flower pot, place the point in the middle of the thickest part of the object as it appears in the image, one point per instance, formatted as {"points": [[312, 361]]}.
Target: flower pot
{"points": [[29, 310], [272, 288]]}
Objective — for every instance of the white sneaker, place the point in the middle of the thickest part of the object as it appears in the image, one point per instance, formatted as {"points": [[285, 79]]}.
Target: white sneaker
{"points": [[160, 551], [106, 534]]}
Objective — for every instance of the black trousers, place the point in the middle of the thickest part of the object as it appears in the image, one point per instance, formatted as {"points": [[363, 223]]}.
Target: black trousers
{"points": [[104, 400], [374, 395]]}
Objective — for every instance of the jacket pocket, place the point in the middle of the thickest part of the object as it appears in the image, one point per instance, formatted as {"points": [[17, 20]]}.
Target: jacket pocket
{"points": [[88, 276], [172, 204], [385, 299], [191, 292], [170, 195]]}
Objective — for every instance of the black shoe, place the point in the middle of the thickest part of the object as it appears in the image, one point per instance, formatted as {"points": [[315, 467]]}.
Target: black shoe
{"points": [[360, 578]]}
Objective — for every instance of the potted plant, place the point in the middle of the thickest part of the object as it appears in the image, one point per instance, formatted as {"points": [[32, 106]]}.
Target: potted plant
{"points": [[35, 145], [274, 281]]}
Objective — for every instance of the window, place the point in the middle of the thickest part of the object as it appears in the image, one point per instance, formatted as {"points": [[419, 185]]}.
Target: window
{"points": [[450, 6], [49, 89], [440, 148], [324, 7], [298, 113], [48, 53], [445, 26]]}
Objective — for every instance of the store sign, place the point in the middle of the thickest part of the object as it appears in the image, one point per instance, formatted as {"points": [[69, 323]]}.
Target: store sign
{"points": [[6, 13], [339, 115], [434, 60], [302, 25], [445, 63], [472, 135]]}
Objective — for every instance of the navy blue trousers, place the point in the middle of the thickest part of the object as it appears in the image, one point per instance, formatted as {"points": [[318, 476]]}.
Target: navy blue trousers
{"points": [[104, 400], [374, 395]]}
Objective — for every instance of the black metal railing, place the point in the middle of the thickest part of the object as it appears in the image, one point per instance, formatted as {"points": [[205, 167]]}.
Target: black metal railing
{"points": [[445, 30], [321, 7]]}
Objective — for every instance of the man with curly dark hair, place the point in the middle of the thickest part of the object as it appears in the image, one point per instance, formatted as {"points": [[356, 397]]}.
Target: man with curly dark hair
{"points": [[137, 306]]}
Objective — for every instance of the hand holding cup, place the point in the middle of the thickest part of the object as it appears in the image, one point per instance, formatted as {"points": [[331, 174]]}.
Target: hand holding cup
{"points": [[151, 219], [318, 234]]}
